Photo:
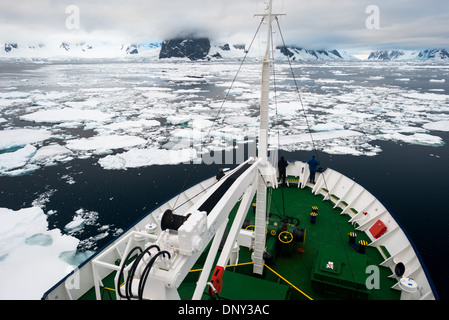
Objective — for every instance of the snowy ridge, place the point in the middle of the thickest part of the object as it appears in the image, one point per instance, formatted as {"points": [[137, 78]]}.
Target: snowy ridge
{"points": [[80, 50], [198, 49], [188, 49], [303, 54], [407, 55]]}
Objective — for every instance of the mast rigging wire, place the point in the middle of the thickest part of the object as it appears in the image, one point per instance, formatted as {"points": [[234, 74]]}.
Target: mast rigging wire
{"points": [[316, 153], [221, 107]]}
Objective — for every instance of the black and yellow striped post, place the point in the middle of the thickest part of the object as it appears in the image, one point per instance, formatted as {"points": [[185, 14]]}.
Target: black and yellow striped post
{"points": [[362, 245], [313, 216], [315, 209], [352, 236]]}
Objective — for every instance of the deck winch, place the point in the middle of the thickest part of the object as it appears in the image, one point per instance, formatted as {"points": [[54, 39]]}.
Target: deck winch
{"points": [[282, 234]]}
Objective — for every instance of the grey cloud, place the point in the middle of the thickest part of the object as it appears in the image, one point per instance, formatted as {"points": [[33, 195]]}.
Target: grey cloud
{"points": [[318, 24]]}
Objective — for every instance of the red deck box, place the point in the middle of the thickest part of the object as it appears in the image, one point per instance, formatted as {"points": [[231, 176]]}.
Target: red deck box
{"points": [[378, 229]]}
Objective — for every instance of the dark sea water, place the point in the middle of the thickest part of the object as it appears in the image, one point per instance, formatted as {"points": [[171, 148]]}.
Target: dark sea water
{"points": [[411, 180]]}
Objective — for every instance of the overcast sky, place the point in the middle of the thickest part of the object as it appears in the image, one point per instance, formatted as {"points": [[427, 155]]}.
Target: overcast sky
{"points": [[317, 24]]}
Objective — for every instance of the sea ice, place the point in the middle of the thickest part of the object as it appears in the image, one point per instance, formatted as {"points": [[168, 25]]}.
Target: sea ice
{"points": [[21, 137], [31, 252], [146, 157], [416, 138], [426, 96], [16, 159], [105, 142], [437, 126], [81, 218], [66, 114], [51, 154]]}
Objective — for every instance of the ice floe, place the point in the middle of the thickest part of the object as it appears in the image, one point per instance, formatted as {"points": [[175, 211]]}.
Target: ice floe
{"points": [[52, 154], [106, 142], [31, 251], [66, 114], [437, 126], [16, 159], [416, 138], [21, 137], [146, 157], [151, 109], [81, 218]]}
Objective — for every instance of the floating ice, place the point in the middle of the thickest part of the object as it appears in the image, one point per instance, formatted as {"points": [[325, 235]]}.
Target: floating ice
{"points": [[437, 126], [147, 157], [52, 154], [327, 127], [30, 253], [426, 96], [130, 125], [81, 218], [305, 137], [16, 159], [416, 138], [153, 105], [21, 137], [105, 142], [66, 114], [179, 119]]}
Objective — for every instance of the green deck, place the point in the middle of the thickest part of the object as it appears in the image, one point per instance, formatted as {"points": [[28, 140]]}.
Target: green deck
{"points": [[300, 275]]}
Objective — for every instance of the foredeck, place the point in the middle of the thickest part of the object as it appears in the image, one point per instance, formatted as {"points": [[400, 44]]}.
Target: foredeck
{"points": [[297, 272], [326, 241]]}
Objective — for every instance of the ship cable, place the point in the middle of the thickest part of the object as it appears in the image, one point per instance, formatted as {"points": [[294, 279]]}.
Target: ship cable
{"points": [[316, 153], [221, 107], [122, 269], [129, 279], [233, 81], [146, 271], [300, 100]]}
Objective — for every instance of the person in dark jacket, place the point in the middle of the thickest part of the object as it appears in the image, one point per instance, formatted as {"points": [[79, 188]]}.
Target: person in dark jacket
{"points": [[313, 166], [282, 167], [220, 174]]}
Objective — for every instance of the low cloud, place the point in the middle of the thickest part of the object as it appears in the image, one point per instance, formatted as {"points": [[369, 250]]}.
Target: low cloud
{"points": [[322, 24]]}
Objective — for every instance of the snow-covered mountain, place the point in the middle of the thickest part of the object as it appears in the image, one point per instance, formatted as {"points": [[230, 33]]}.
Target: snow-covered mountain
{"points": [[190, 49], [296, 53], [202, 48], [197, 49], [79, 50], [405, 55]]}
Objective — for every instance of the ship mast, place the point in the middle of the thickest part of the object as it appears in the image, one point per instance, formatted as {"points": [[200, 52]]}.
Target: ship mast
{"points": [[261, 202]]}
